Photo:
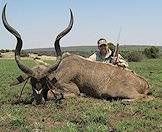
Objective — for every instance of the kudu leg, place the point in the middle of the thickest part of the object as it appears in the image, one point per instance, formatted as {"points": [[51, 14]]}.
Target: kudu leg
{"points": [[68, 89], [138, 97]]}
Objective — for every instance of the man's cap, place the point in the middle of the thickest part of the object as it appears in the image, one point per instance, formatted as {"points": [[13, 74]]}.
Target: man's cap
{"points": [[102, 41]]}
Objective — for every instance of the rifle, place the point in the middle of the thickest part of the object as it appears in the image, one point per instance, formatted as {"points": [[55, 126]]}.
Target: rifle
{"points": [[116, 53]]}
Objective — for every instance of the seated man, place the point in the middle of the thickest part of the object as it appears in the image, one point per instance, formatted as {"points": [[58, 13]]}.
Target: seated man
{"points": [[106, 55]]}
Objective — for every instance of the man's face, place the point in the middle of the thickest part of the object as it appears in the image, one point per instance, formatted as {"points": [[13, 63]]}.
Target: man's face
{"points": [[103, 49]]}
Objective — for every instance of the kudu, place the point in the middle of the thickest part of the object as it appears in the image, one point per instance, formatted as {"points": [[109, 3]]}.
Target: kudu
{"points": [[99, 80], [39, 76]]}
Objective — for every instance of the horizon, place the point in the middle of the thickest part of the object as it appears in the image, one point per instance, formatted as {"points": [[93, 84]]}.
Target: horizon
{"points": [[125, 46], [83, 46], [39, 22]]}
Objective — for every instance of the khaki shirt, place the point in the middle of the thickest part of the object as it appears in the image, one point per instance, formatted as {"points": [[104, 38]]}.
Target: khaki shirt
{"points": [[108, 58]]}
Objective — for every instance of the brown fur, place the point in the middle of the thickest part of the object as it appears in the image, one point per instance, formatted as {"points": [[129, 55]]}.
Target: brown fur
{"points": [[99, 80]]}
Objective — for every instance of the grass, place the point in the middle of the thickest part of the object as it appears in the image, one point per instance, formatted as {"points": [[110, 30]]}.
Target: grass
{"points": [[81, 114]]}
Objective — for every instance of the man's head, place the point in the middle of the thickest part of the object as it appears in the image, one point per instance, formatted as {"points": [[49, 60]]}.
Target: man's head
{"points": [[103, 46]]}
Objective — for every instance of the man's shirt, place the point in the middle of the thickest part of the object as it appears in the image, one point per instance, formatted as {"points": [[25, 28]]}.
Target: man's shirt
{"points": [[108, 58]]}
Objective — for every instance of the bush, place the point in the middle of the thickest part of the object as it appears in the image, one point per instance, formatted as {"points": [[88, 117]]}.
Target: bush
{"points": [[152, 52], [0, 55], [7, 50], [2, 51], [24, 54], [111, 46], [124, 53], [134, 56], [40, 54]]}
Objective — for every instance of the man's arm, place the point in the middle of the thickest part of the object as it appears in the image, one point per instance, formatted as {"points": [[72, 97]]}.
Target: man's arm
{"points": [[117, 59], [92, 57], [122, 62]]}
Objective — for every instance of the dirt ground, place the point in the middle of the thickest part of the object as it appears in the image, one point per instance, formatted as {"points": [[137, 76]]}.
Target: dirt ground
{"points": [[10, 55]]}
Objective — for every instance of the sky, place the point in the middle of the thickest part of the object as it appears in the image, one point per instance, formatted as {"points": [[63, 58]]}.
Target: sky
{"points": [[39, 21]]}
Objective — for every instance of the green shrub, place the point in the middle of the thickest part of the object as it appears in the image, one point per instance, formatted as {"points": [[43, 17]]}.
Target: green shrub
{"points": [[40, 54], [7, 50], [123, 53], [2, 51], [134, 56], [0, 55], [24, 54], [111, 46], [152, 52]]}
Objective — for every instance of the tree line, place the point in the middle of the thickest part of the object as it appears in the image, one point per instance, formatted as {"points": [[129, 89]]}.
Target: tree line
{"points": [[152, 52]]}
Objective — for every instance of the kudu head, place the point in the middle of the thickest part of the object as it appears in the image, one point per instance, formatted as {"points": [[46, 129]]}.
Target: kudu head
{"points": [[39, 76]]}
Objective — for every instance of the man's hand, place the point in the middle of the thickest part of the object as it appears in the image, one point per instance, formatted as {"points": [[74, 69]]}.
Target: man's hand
{"points": [[121, 65], [115, 60]]}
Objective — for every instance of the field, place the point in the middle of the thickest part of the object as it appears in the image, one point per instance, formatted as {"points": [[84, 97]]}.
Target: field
{"points": [[80, 114]]}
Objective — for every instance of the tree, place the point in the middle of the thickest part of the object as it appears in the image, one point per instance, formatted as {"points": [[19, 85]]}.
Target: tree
{"points": [[134, 56], [152, 52]]}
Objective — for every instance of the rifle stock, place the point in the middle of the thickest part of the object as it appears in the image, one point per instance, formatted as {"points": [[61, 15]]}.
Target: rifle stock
{"points": [[116, 53]]}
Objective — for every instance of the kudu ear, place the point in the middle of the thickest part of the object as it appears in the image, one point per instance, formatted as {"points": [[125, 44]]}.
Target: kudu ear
{"points": [[19, 80], [52, 78]]}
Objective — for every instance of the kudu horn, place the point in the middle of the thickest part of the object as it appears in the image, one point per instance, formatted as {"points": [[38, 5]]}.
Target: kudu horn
{"points": [[24, 68]]}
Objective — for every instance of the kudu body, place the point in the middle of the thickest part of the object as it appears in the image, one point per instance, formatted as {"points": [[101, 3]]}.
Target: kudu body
{"points": [[39, 75], [99, 80]]}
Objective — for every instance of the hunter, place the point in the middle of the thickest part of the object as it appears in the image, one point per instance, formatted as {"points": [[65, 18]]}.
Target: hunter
{"points": [[106, 55]]}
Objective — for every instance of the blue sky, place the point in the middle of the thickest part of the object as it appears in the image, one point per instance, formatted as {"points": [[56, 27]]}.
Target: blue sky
{"points": [[39, 21]]}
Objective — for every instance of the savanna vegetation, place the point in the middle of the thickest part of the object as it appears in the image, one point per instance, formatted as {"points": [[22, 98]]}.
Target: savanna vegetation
{"points": [[129, 52], [80, 114]]}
